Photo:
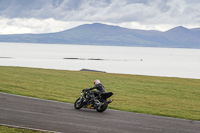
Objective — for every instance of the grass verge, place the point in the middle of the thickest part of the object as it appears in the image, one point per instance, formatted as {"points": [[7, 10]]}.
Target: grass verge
{"points": [[164, 96], [6, 129]]}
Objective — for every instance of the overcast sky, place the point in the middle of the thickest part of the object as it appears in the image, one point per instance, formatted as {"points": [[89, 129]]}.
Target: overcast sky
{"points": [[43, 16]]}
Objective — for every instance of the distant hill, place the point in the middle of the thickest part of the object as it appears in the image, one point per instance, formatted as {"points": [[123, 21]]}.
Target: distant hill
{"points": [[102, 34], [184, 37]]}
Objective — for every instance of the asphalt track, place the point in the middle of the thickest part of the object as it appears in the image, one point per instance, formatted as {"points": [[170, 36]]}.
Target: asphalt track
{"points": [[62, 117]]}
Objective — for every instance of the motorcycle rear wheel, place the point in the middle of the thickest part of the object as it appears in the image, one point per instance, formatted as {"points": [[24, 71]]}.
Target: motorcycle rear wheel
{"points": [[102, 108], [78, 103]]}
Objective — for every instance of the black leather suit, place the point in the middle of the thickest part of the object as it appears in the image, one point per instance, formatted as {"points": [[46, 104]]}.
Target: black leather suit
{"points": [[100, 88]]}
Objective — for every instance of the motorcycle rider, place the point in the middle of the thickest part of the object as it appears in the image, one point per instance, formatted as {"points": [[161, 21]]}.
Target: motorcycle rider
{"points": [[99, 89]]}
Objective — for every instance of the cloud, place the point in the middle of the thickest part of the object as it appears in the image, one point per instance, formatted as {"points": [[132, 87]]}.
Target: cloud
{"points": [[103, 10], [155, 14], [33, 25]]}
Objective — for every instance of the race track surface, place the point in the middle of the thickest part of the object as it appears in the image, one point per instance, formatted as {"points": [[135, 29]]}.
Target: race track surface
{"points": [[62, 117]]}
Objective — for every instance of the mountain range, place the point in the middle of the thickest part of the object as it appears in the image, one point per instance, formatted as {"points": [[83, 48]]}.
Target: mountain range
{"points": [[102, 34]]}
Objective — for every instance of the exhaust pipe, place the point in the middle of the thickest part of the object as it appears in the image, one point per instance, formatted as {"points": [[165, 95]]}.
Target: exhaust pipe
{"points": [[110, 101]]}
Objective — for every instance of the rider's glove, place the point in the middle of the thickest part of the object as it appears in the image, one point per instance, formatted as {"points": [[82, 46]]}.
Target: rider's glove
{"points": [[85, 89]]}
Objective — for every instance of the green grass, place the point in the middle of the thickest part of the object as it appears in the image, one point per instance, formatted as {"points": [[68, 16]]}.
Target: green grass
{"points": [[173, 97], [6, 129]]}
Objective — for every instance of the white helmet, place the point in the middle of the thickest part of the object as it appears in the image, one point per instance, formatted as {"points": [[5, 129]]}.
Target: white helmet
{"points": [[96, 82]]}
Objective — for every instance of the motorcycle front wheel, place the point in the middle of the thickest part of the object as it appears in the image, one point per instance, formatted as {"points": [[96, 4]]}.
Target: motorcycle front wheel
{"points": [[102, 107], [78, 103]]}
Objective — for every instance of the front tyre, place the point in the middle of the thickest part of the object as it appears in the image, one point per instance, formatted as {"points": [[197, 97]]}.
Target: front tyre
{"points": [[102, 107], [78, 103]]}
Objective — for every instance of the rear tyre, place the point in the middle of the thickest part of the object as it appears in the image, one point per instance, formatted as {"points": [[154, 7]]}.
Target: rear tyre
{"points": [[102, 108], [78, 103]]}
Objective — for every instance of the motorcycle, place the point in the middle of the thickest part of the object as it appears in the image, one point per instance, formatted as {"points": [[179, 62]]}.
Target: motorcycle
{"points": [[89, 100]]}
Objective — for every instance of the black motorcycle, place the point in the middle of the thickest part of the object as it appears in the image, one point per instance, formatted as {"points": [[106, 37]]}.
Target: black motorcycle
{"points": [[89, 100]]}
